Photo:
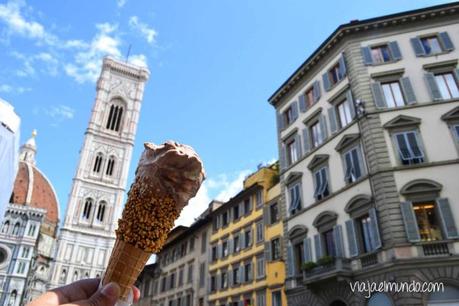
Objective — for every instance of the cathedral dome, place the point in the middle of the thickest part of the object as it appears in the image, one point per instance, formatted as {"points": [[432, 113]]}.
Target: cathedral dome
{"points": [[32, 187]]}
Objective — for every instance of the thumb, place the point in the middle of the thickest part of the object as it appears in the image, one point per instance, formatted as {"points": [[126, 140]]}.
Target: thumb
{"points": [[107, 296]]}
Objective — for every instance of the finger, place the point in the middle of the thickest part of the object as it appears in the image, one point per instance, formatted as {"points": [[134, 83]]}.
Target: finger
{"points": [[77, 291], [107, 296], [136, 293]]}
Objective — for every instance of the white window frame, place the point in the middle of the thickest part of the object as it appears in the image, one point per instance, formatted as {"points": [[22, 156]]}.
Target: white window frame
{"points": [[261, 271], [292, 152], [409, 155], [343, 110], [442, 84], [260, 231], [396, 97]]}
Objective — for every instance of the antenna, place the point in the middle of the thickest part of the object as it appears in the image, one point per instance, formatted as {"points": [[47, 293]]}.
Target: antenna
{"points": [[128, 52]]}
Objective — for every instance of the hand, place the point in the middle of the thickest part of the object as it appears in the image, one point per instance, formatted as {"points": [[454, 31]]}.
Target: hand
{"points": [[83, 293]]}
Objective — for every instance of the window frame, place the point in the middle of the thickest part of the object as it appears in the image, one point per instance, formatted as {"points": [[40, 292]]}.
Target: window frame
{"points": [[447, 85], [298, 202], [361, 162], [395, 101], [271, 221], [323, 171], [397, 150], [380, 46], [275, 251]]}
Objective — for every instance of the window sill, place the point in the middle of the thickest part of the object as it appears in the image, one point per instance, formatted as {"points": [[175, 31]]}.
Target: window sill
{"points": [[435, 54], [392, 61], [336, 84]]}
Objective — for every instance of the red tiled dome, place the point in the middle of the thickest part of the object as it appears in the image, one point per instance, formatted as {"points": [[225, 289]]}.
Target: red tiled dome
{"points": [[33, 188]]}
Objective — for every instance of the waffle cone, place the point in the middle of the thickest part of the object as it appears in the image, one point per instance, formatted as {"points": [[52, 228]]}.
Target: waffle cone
{"points": [[125, 264]]}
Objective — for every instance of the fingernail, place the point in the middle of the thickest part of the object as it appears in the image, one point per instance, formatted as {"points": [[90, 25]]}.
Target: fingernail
{"points": [[111, 289]]}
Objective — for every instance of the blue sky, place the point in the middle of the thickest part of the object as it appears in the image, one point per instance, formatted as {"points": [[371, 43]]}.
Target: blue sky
{"points": [[213, 65]]}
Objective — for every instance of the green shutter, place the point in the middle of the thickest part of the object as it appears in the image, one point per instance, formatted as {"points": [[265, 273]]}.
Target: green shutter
{"points": [[447, 218], [374, 229], [352, 238], [408, 92], [435, 93], [378, 95], [366, 55], [409, 219]]}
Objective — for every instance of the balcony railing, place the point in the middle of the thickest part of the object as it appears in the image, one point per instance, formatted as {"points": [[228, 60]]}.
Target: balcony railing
{"points": [[435, 248], [338, 268], [369, 260]]}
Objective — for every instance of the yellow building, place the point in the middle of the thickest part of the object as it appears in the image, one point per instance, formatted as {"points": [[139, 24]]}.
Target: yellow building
{"points": [[245, 264]]}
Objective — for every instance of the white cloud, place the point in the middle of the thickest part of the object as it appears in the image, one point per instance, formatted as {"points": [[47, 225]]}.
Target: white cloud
{"points": [[138, 60], [5, 88], [147, 32], [120, 3], [195, 207], [58, 113], [50, 64]]}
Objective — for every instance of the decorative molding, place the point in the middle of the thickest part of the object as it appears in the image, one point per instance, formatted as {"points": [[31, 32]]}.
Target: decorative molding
{"points": [[402, 121], [452, 115], [346, 141], [317, 160]]}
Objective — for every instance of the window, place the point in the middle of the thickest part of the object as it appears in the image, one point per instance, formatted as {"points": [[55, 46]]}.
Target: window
{"points": [[288, 116], [6, 227], [393, 94], [309, 95], [428, 221], [98, 163], [353, 165], [431, 45], [261, 298], [215, 223], [248, 238], [408, 148], [236, 214], [213, 283], [321, 184], [172, 281], [236, 243], [275, 249], [260, 266], [236, 271], [75, 276], [273, 213], [329, 243], [447, 85], [16, 229], [225, 251], [214, 253], [334, 74], [367, 242], [183, 248], [87, 209], [224, 279], [380, 54], [298, 256], [63, 276], [292, 153], [13, 297], [21, 267], [224, 218], [247, 206], [191, 244], [295, 198], [277, 298], [316, 135], [259, 198], [456, 132], [110, 166], [204, 242], [344, 113], [163, 284], [248, 272], [101, 211], [180, 277], [202, 274], [114, 118], [260, 231], [25, 252]]}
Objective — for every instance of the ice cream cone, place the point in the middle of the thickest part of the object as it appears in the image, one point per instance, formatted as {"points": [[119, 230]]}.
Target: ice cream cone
{"points": [[126, 263]]}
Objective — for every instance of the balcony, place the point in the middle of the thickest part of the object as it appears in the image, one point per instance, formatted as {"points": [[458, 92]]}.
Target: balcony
{"points": [[369, 260], [435, 249], [338, 269]]}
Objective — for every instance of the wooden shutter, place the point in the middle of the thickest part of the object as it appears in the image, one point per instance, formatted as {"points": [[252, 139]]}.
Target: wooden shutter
{"points": [[395, 51], [242, 274], [408, 92], [446, 41], [447, 218], [409, 219], [282, 160], [326, 81], [242, 240], [366, 55], [302, 102], [280, 122], [378, 95], [268, 251], [290, 265], [307, 251], [266, 215], [352, 238], [434, 91], [342, 66], [298, 145], [323, 127], [318, 246], [417, 46], [294, 107], [230, 277], [338, 236], [350, 100], [230, 246], [332, 119], [306, 140], [219, 251], [374, 229], [316, 91]]}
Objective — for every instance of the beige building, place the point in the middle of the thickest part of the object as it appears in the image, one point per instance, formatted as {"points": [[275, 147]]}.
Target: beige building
{"points": [[368, 130]]}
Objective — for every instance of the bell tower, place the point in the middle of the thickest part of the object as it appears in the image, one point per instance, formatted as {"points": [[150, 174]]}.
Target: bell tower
{"points": [[99, 184]]}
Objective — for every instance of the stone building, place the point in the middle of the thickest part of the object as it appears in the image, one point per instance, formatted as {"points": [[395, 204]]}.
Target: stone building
{"points": [[368, 132], [96, 197], [28, 232]]}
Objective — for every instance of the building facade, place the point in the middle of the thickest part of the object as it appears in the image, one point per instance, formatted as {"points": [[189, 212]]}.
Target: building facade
{"points": [[240, 255], [96, 197], [368, 131]]}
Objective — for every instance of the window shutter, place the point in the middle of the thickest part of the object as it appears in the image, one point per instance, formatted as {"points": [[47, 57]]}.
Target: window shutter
{"points": [[342, 66], [230, 246], [417, 46], [316, 91], [298, 145], [219, 251], [302, 101], [219, 281], [307, 251], [306, 140], [447, 219], [242, 240], [266, 215], [395, 51], [352, 238], [268, 251], [323, 126], [294, 107], [435, 93], [338, 236], [446, 41], [230, 278], [374, 229], [409, 218], [280, 122], [378, 95], [282, 160], [350, 100], [318, 246], [366, 54], [242, 274], [326, 81], [410, 97], [290, 265], [250, 272], [332, 119]]}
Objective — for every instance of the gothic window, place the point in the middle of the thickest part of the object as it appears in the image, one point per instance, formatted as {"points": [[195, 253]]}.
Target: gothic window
{"points": [[6, 227], [75, 276], [101, 211], [31, 230], [98, 163], [110, 166], [13, 297], [114, 118], [63, 275], [87, 208], [16, 229], [86, 275]]}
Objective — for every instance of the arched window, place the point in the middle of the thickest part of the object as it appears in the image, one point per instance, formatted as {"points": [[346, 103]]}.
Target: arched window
{"points": [[101, 211], [63, 275], [13, 297], [86, 275], [98, 163], [16, 229], [6, 227], [114, 118], [87, 208], [75, 276], [110, 166], [31, 230]]}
